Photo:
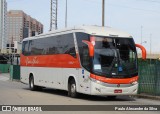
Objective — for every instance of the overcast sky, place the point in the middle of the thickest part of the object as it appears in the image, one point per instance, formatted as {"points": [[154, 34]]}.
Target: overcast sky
{"points": [[127, 15]]}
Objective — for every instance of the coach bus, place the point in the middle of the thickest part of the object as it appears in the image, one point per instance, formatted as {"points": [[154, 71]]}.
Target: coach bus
{"points": [[91, 60]]}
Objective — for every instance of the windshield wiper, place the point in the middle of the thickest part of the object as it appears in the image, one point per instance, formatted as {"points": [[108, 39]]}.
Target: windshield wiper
{"points": [[100, 73]]}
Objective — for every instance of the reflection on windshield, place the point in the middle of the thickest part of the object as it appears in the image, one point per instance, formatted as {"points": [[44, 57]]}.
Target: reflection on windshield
{"points": [[115, 57]]}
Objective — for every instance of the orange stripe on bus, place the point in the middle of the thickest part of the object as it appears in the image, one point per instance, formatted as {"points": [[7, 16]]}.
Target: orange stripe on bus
{"points": [[115, 80], [59, 60]]}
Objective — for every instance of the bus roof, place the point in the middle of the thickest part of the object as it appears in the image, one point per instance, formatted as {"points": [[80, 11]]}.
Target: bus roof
{"points": [[92, 30]]}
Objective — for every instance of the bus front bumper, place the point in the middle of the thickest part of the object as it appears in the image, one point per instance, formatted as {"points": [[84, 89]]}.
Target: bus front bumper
{"points": [[113, 89]]}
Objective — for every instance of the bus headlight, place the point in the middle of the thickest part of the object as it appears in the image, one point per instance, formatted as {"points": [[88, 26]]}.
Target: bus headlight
{"points": [[134, 83], [96, 81]]}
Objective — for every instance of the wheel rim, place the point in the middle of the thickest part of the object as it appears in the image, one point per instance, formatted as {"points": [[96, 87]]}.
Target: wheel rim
{"points": [[31, 83], [73, 88]]}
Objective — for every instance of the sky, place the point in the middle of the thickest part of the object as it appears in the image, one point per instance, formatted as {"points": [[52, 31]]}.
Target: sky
{"points": [[140, 18]]}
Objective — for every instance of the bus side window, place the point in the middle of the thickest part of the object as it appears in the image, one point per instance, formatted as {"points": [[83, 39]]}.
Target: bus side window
{"points": [[71, 52], [30, 47], [68, 45], [25, 48]]}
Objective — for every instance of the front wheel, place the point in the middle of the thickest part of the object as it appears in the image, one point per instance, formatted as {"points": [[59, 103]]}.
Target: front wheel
{"points": [[72, 92]]}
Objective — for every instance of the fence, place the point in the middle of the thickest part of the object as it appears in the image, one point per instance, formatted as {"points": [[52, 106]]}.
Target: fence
{"points": [[15, 72], [149, 77], [4, 68]]}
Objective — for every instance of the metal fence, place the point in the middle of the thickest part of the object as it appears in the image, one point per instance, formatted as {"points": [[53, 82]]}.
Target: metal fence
{"points": [[149, 77], [4, 68]]}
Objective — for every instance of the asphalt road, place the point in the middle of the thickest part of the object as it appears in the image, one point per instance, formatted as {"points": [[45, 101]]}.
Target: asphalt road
{"points": [[17, 93]]}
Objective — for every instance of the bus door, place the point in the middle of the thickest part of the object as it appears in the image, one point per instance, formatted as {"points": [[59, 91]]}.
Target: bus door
{"points": [[84, 74], [84, 81]]}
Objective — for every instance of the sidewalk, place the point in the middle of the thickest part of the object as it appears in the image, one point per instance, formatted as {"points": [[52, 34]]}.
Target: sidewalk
{"points": [[145, 96], [4, 76]]}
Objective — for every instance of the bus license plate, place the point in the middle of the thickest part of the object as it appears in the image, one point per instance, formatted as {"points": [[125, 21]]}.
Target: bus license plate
{"points": [[118, 91]]}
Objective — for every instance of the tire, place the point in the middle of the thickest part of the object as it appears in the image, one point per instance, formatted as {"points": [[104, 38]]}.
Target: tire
{"points": [[72, 92], [31, 84]]}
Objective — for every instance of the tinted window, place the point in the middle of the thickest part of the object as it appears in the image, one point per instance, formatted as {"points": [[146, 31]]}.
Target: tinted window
{"points": [[62, 44], [83, 50], [25, 48], [115, 57]]}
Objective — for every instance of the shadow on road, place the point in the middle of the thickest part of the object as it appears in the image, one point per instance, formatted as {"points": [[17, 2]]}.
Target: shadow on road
{"points": [[85, 97]]}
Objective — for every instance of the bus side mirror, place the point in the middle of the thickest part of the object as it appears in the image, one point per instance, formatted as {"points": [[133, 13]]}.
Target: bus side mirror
{"points": [[90, 46], [143, 51]]}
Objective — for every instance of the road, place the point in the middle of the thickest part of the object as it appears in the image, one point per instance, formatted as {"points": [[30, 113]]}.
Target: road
{"points": [[17, 93]]}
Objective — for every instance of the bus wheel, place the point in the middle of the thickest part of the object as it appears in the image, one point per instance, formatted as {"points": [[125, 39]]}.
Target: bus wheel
{"points": [[31, 84], [72, 89]]}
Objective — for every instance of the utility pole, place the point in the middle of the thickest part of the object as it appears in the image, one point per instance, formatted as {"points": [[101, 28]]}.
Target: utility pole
{"points": [[150, 47], [53, 18], [103, 12], [66, 14]]}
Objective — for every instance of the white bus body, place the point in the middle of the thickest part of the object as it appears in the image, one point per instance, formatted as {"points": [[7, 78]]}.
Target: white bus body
{"points": [[73, 70]]}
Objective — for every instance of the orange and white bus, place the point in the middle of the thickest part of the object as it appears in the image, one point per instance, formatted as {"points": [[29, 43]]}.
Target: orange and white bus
{"points": [[88, 59]]}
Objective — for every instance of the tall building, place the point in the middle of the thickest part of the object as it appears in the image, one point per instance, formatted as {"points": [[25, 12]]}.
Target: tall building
{"points": [[3, 27], [20, 26]]}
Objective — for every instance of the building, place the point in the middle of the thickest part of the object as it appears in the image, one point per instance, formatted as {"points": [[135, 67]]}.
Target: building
{"points": [[20, 26], [3, 27]]}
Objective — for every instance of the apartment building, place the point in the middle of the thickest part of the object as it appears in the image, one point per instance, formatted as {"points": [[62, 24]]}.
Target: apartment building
{"points": [[3, 27], [20, 26]]}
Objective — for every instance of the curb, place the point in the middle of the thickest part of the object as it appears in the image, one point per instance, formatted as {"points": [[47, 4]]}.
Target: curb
{"points": [[147, 96]]}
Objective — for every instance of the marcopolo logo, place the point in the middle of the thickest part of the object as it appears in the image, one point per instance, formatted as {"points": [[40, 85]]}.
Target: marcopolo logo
{"points": [[32, 61]]}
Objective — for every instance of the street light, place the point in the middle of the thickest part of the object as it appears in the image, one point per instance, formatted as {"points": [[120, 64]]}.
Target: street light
{"points": [[150, 47], [150, 43], [103, 12], [142, 42], [66, 14]]}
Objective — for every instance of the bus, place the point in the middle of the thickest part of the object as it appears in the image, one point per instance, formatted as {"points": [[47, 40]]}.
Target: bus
{"points": [[92, 60]]}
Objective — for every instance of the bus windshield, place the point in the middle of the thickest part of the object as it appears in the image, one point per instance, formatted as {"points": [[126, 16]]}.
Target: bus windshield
{"points": [[115, 57]]}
